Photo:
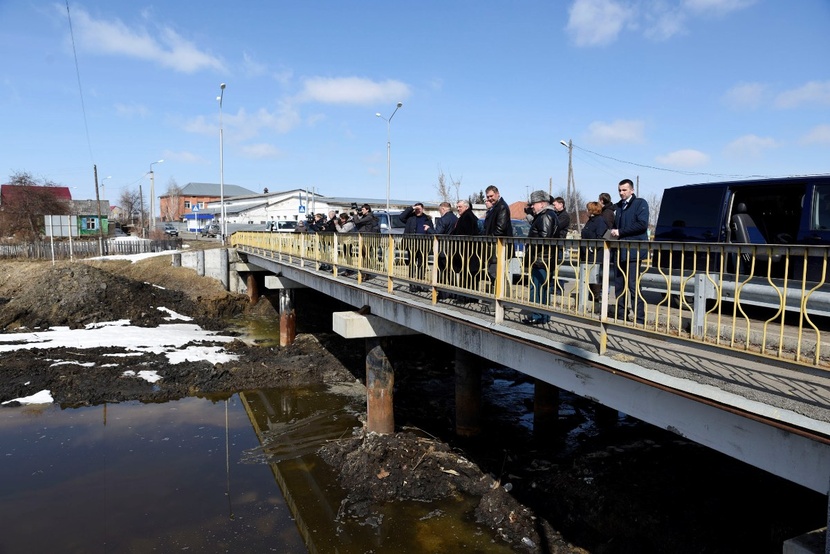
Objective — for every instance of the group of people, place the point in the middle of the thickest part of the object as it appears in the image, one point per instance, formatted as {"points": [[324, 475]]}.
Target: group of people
{"points": [[364, 221], [625, 220]]}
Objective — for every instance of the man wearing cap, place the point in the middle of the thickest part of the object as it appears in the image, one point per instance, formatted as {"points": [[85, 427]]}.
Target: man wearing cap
{"points": [[544, 225]]}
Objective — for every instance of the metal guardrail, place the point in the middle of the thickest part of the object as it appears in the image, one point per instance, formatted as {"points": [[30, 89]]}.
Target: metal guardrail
{"points": [[770, 301], [86, 248]]}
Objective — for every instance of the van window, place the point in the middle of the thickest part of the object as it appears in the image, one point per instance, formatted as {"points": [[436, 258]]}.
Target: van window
{"points": [[691, 214], [820, 220], [775, 209]]}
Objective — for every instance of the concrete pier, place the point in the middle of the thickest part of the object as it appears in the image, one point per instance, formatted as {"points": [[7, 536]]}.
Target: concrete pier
{"points": [[288, 323], [467, 394], [380, 386]]}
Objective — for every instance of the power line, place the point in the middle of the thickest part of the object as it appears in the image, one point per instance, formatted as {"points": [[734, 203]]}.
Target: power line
{"points": [[679, 171], [80, 88]]}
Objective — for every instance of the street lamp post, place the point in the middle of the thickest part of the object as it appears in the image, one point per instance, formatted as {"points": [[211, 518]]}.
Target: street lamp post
{"points": [[153, 196], [389, 151], [222, 166], [103, 195], [571, 187]]}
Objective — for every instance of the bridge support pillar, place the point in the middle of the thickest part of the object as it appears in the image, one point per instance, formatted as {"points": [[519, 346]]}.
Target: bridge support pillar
{"points": [[287, 318], [545, 409], [380, 383], [253, 288], [467, 394]]}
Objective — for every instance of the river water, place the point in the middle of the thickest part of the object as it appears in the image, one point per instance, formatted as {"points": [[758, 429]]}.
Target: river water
{"points": [[201, 475]]}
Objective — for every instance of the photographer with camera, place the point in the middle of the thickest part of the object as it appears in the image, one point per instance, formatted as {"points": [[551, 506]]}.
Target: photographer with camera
{"points": [[417, 222], [365, 221], [545, 225]]}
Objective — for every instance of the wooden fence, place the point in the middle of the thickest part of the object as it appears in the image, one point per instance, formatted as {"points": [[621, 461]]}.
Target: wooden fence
{"points": [[63, 250]]}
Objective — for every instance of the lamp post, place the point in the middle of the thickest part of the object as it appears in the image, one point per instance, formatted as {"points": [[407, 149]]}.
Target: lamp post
{"points": [[103, 195], [571, 187], [224, 224], [389, 151], [153, 196]]}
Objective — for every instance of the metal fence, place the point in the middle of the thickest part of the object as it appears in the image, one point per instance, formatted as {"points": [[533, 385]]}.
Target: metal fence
{"points": [[771, 301], [66, 250]]}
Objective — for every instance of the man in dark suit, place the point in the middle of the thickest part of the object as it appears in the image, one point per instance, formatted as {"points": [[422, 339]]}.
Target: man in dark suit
{"points": [[630, 224]]}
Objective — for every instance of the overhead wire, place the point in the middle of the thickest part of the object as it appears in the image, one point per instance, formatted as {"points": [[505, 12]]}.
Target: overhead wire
{"points": [[80, 87]]}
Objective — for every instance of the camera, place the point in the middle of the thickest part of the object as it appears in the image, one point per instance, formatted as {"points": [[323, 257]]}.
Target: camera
{"points": [[529, 210], [354, 205]]}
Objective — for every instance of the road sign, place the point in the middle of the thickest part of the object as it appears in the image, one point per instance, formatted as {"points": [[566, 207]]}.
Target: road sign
{"points": [[194, 209], [302, 209]]}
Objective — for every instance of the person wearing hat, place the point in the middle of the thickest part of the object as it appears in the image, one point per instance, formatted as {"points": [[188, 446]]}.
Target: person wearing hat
{"points": [[544, 225]]}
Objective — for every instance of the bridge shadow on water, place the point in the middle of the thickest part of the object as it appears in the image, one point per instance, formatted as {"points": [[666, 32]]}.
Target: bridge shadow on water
{"points": [[607, 482]]}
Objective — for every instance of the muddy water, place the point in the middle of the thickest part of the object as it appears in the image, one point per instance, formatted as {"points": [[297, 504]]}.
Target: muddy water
{"points": [[201, 475]]}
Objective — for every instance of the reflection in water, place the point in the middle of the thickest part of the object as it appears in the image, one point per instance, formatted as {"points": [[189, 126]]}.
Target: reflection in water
{"points": [[152, 477], [191, 475]]}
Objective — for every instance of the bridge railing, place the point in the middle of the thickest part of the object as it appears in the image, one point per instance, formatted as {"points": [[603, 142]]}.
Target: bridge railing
{"points": [[772, 301]]}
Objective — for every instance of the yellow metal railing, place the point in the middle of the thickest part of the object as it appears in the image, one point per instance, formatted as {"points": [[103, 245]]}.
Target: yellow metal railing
{"points": [[771, 301]]}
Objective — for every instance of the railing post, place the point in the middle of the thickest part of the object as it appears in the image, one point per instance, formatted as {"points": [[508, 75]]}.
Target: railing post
{"points": [[699, 306], [603, 316], [499, 281]]}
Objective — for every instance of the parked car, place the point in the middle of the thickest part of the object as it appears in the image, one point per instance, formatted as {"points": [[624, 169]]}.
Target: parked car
{"points": [[212, 229], [170, 230], [278, 226], [390, 222]]}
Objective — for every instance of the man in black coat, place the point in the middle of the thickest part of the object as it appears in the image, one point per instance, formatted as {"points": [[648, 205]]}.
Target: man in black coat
{"points": [[497, 224], [545, 225]]}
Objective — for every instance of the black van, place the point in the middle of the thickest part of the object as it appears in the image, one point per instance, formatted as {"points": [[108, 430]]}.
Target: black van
{"points": [[792, 210]]}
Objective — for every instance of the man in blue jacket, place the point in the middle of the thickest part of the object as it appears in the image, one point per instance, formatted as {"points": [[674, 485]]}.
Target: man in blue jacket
{"points": [[630, 224]]}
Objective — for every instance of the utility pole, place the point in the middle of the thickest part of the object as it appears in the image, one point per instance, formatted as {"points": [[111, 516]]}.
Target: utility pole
{"points": [[141, 205], [100, 221]]}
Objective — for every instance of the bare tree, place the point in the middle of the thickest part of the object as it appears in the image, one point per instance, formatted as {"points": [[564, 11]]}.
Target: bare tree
{"points": [[653, 200], [171, 206], [574, 205], [130, 201], [476, 198], [447, 192], [25, 204]]}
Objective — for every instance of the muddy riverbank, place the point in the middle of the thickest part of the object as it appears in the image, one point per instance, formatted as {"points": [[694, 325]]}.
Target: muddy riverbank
{"points": [[618, 487]]}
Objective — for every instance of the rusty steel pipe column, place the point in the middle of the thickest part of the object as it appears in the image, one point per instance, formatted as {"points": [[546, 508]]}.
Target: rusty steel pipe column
{"points": [[545, 409], [380, 383], [467, 394], [253, 288], [288, 329]]}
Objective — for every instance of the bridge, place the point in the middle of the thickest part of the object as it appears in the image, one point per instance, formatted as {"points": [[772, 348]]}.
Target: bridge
{"points": [[731, 352]]}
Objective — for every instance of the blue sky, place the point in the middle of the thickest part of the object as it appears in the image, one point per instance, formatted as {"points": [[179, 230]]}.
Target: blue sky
{"points": [[670, 91]]}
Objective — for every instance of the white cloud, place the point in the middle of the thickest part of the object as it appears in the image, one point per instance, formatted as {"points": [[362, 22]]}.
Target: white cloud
{"points": [[133, 110], [745, 95], [352, 90], [716, 7], [817, 135], [751, 146], [251, 67], [813, 93], [596, 22], [619, 131], [184, 157], [600, 22], [684, 158], [167, 47], [260, 151]]}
